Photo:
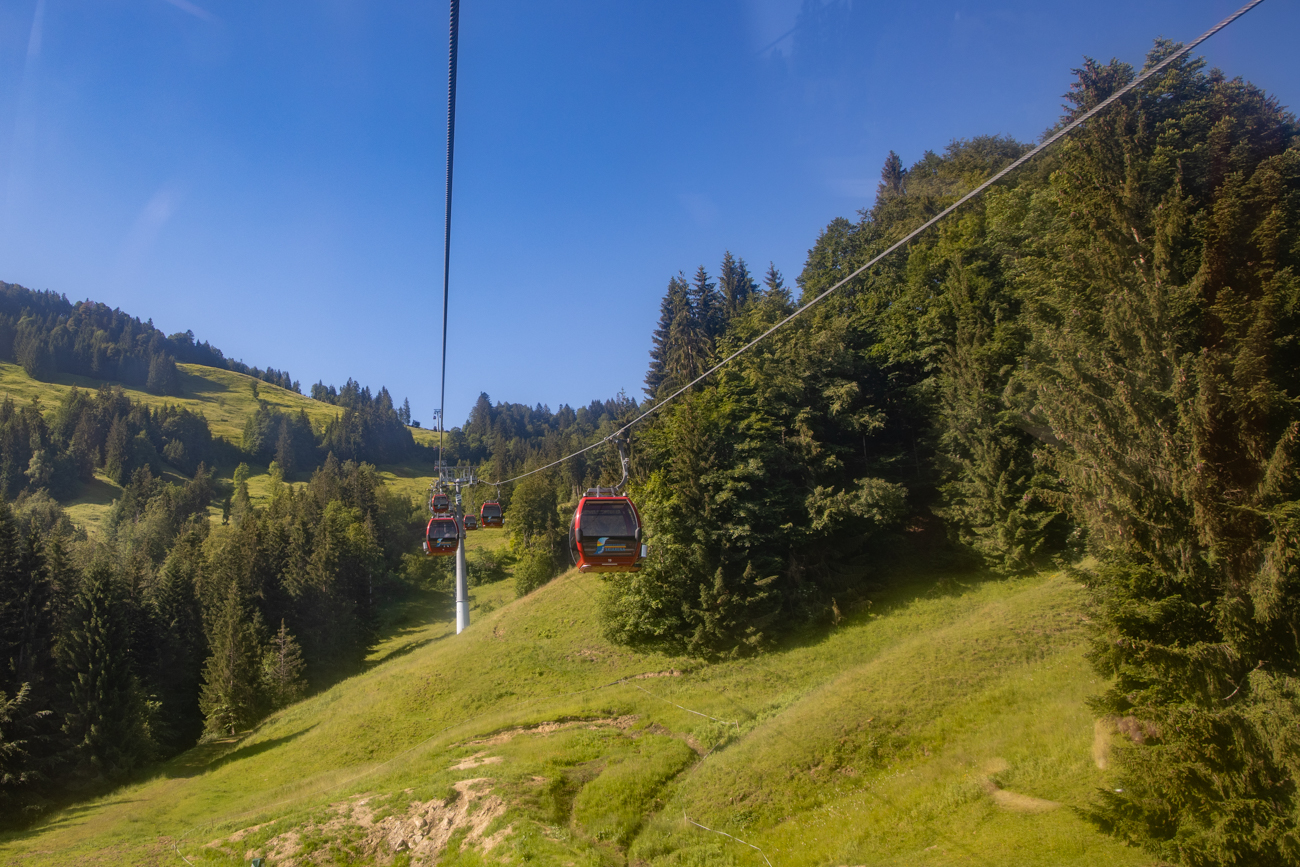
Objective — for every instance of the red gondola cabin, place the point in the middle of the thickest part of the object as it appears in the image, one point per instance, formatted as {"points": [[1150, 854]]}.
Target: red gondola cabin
{"points": [[471, 522], [606, 534], [441, 504], [442, 536], [490, 514]]}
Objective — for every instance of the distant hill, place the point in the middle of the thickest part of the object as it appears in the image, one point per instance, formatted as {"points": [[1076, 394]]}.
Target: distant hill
{"points": [[226, 400]]}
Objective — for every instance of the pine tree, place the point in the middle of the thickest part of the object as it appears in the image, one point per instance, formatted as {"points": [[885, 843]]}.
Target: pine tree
{"points": [[775, 291], [1162, 295], [284, 449], [708, 308], [176, 669], [117, 451], [107, 721], [659, 344], [282, 670], [242, 504], [893, 177], [229, 699], [18, 764], [688, 345], [735, 283], [164, 378]]}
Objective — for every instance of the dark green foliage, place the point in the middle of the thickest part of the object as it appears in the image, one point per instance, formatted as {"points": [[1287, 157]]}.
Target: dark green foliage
{"points": [[272, 435], [172, 654], [17, 771], [369, 428], [282, 670], [47, 334], [1164, 308], [735, 284], [1103, 353], [128, 648], [508, 438], [535, 566], [230, 698], [107, 720]]}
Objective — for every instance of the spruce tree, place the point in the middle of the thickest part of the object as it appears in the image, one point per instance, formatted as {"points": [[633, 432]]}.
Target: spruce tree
{"points": [[892, 178], [659, 346], [179, 646], [735, 284], [117, 451], [1161, 288], [107, 722], [229, 699], [774, 286], [282, 670], [688, 345], [284, 449], [707, 307]]}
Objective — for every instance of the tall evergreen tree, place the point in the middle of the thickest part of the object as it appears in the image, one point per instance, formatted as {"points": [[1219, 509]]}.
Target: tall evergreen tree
{"points": [[117, 451], [229, 699], [735, 284], [282, 670], [107, 722], [774, 286], [892, 177], [708, 307], [1161, 279], [689, 344]]}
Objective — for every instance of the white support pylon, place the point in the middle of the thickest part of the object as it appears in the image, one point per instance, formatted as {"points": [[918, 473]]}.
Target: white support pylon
{"points": [[462, 581]]}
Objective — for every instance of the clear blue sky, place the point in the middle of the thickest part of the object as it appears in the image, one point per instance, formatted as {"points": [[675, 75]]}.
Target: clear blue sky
{"points": [[270, 175]]}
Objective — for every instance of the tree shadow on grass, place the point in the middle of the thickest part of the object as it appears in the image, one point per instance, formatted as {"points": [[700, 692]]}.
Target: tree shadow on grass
{"points": [[399, 652], [895, 582], [216, 754], [64, 817]]}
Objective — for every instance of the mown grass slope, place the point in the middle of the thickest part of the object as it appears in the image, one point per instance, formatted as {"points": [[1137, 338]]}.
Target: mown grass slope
{"points": [[943, 724]]}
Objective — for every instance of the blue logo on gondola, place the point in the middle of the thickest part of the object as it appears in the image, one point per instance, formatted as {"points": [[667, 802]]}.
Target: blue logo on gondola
{"points": [[603, 546]]}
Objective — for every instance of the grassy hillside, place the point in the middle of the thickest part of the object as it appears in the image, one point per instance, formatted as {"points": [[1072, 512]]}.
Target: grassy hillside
{"points": [[942, 724], [226, 399]]}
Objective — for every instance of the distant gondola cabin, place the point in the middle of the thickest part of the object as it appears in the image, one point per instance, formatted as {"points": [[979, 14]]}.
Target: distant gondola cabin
{"points": [[490, 514]]}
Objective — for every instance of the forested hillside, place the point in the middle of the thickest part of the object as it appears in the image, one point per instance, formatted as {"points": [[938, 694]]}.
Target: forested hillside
{"points": [[47, 334], [188, 609], [1096, 363]]}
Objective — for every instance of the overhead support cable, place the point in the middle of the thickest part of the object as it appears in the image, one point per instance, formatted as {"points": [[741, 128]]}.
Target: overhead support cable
{"points": [[446, 238], [909, 237]]}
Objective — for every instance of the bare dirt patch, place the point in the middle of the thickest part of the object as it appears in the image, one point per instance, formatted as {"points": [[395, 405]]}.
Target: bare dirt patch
{"points": [[622, 723], [422, 832], [1008, 800], [475, 761]]}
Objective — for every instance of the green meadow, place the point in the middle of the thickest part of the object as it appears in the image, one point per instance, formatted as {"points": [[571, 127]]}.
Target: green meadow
{"points": [[943, 723]]}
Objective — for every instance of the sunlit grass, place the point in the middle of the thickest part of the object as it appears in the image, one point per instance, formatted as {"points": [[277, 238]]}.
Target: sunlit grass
{"points": [[878, 742]]}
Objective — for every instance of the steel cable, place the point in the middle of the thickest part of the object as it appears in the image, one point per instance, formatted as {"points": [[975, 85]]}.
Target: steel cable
{"points": [[446, 238]]}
